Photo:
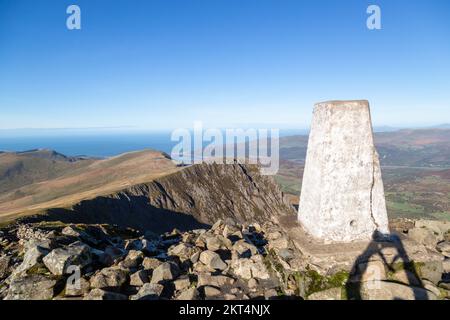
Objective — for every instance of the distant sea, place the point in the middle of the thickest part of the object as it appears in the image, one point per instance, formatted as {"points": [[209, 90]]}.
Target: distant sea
{"points": [[94, 144]]}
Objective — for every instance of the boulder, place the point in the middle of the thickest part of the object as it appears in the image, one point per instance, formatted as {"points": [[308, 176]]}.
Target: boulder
{"points": [[423, 236], [212, 260], [112, 255], [78, 288], [383, 290], [244, 249], [329, 294], [211, 292], [150, 263], [188, 294], [165, 272], [139, 278], [218, 281], [59, 260], [183, 251], [250, 268], [439, 228], [432, 270], [149, 291], [99, 294], [444, 248], [132, 260], [112, 277], [32, 258], [182, 283], [31, 287], [4, 266]]}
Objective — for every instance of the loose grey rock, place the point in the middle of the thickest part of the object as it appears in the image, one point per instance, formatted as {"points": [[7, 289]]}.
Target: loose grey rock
{"points": [[250, 268], [182, 283], [150, 263], [99, 294], [33, 257], [77, 288], [444, 248], [244, 249], [383, 290], [330, 294], [31, 287], [432, 271], [212, 260], [132, 260], [139, 278], [112, 277], [4, 266], [189, 294], [166, 271], [423, 236], [218, 281], [59, 260], [149, 291], [211, 292]]}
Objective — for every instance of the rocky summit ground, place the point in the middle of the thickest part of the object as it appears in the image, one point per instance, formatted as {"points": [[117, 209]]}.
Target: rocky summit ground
{"points": [[52, 260]]}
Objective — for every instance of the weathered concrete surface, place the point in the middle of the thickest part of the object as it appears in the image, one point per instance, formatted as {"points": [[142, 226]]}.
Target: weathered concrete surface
{"points": [[342, 197]]}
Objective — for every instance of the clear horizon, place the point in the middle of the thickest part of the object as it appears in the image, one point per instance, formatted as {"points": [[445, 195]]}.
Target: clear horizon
{"points": [[159, 65]]}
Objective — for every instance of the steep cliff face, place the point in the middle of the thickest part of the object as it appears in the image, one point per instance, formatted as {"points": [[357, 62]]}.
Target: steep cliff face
{"points": [[193, 197]]}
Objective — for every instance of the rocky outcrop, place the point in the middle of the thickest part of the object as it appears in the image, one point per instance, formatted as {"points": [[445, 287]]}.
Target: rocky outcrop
{"points": [[192, 198], [227, 261]]}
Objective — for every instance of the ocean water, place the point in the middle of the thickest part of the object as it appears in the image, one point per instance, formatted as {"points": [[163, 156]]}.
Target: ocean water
{"points": [[103, 145], [94, 144]]}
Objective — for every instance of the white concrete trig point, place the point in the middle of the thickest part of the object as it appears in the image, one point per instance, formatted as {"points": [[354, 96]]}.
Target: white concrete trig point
{"points": [[342, 196]]}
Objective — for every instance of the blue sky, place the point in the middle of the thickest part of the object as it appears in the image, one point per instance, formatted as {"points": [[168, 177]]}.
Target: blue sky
{"points": [[161, 64]]}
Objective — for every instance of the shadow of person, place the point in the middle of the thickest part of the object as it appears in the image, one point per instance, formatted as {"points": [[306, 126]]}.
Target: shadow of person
{"points": [[376, 251]]}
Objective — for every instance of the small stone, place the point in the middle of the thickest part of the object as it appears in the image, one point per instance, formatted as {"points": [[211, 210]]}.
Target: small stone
{"points": [[245, 249], [165, 272], [189, 294], [194, 258], [78, 288], [132, 260], [183, 251], [182, 283], [4, 266], [444, 248], [250, 268], [59, 260], [33, 257], [252, 283], [423, 236], [150, 263], [432, 270], [218, 281], [211, 292], [99, 294], [330, 294], [431, 287], [112, 277], [212, 260], [149, 291], [270, 294], [139, 278]]}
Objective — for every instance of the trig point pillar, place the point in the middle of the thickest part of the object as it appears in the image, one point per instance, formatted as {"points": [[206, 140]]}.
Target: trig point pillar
{"points": [[342, 197]]}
